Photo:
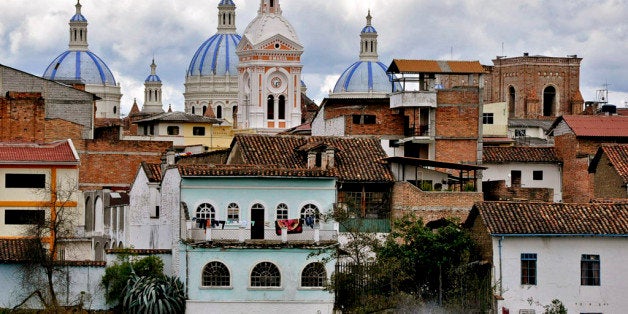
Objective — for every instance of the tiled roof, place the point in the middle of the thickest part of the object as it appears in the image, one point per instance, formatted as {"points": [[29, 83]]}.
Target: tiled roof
{"points": [[520, 218], [153, 171], [14, 250], [29, 153], [356, 159], [435, 66], [506, 154], [178, 116], [247, 171], [596, 126], [618, 157], [527, 123]]}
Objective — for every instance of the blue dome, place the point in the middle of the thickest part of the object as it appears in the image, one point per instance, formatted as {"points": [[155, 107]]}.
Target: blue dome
{"points": [[153, 78], [78, 18], [369, 29], [226, 2], [80, 65], [364, 77], [217, 56]]}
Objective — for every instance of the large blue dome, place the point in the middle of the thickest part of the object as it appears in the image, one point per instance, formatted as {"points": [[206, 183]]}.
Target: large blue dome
{"points": [[364, 77], [216, 56], [77, 65]]}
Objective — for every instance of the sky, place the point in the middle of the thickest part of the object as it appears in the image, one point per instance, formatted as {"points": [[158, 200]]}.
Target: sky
{"points": [[127, 34]]}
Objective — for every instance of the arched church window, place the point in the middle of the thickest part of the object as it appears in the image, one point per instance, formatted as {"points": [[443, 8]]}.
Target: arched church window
{"points": [[270, 107], [511, 101], [115, 110], [75, 34], [282, 107], [81, 34], [193, 110], [272, 3], [549, 101], [204, 109], [219, 112]]}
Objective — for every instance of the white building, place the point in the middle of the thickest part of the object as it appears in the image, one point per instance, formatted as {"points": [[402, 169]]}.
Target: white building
{"points": [[524, 168], [574, 253]]}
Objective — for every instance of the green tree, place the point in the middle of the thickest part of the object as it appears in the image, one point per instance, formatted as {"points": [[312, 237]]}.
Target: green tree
{"points": [[556, 307], [117, 275]]}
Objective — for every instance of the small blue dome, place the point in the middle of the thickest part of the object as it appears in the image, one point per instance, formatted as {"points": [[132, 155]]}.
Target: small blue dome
{"points": [[369, 29], [153, 78], [226, 2], [216, 56], [364, 77], [78, 65], [78, 18]]}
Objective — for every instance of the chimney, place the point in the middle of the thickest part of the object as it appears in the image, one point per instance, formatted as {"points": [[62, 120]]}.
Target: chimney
{"points": [[169, 160], [330, 156], [311, 160]]}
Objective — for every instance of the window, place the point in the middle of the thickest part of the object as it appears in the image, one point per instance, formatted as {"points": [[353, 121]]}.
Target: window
{"points": [[537, 175], [590, 270], [282, 211], [173, 130], [515, 178], [265, 274], [198, 131], [23, 217], [270, 107], [25, 180], [364, 119], [520, 132], [313, 275], [233, 212], [282, 107], [219, 112], [155, 213], [309, 210], [487, 118], [216, 274], [205, 211], [528, 268]]}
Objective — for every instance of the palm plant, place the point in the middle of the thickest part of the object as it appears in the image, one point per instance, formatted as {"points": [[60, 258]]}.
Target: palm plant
{"points": [[153, 295]]}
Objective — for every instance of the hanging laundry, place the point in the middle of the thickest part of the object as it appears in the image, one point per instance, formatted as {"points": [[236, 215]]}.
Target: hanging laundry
{"points": [[292, 225]]}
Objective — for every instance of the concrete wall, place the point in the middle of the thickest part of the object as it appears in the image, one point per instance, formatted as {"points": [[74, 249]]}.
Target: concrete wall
{"points": [[558, 273]]}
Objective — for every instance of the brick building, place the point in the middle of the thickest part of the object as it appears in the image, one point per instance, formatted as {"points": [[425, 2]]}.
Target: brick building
{"points": [[576, 140], [610, 172], [536, 86]]}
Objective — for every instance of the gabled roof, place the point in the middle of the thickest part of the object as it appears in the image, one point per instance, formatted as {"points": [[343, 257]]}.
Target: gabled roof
{"points": [[60, 152], [178, 116], [523, 154], [435, 67], [356, 159], [551, 219], [247, 171], [617, 155], [153, 171], [595, 126]]}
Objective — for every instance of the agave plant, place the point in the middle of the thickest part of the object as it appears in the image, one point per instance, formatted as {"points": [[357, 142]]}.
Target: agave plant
{"points": [[154, 295]]}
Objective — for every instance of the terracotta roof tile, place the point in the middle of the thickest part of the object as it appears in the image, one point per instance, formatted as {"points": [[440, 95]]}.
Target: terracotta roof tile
{"points": [[598, 126], [14, 250], [498, 154], [356, 159], [153, 171], [519, 218], [248, 170], [57, 152]]}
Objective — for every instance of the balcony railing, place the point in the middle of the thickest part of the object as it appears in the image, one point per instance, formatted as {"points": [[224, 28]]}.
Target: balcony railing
{"points": [[238, 233], [413, 99]]}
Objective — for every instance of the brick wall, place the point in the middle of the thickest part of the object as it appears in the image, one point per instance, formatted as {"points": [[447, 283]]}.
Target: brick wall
{"points": [[22, 117], [387, 122], [480, 235], [408, 199], [607, 183], [498, 191], [575, 154]]}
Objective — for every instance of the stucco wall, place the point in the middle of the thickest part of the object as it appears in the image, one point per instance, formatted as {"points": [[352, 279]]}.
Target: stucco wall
{"points": [[552, 176]]}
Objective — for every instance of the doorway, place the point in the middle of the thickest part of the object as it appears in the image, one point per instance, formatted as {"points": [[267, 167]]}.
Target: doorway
{"points": [[257, 221]]}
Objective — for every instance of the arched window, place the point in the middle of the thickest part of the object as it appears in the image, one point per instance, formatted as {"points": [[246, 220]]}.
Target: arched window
{"points": [[310, 210], [99, 215], [120, 245], [549, 101], [511, 101], [216, 274], [282, 107], [204, 109], [219, 112], [270, 107], [233, 212], [205, 211], [313, 275], [115, 109], [282, 211], [265, 274], [193, 110]]}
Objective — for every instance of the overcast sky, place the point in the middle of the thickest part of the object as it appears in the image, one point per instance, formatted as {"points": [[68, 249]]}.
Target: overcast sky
{"points": [[127, 33]]}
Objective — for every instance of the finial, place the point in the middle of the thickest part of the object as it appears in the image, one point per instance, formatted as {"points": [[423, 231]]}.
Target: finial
{"points": [[78, 6], [170, 108], [369, 18]]}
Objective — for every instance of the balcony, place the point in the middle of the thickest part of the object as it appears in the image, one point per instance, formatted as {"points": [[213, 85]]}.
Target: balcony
{"points": [[238, 233], [413, 99]]}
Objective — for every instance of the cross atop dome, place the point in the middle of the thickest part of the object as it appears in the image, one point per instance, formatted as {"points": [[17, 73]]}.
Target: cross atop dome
{"points": [[269, 7], [368, 41]]}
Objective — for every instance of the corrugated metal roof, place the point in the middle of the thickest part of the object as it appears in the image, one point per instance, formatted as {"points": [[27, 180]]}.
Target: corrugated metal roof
{"points": [[435, 66]]}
